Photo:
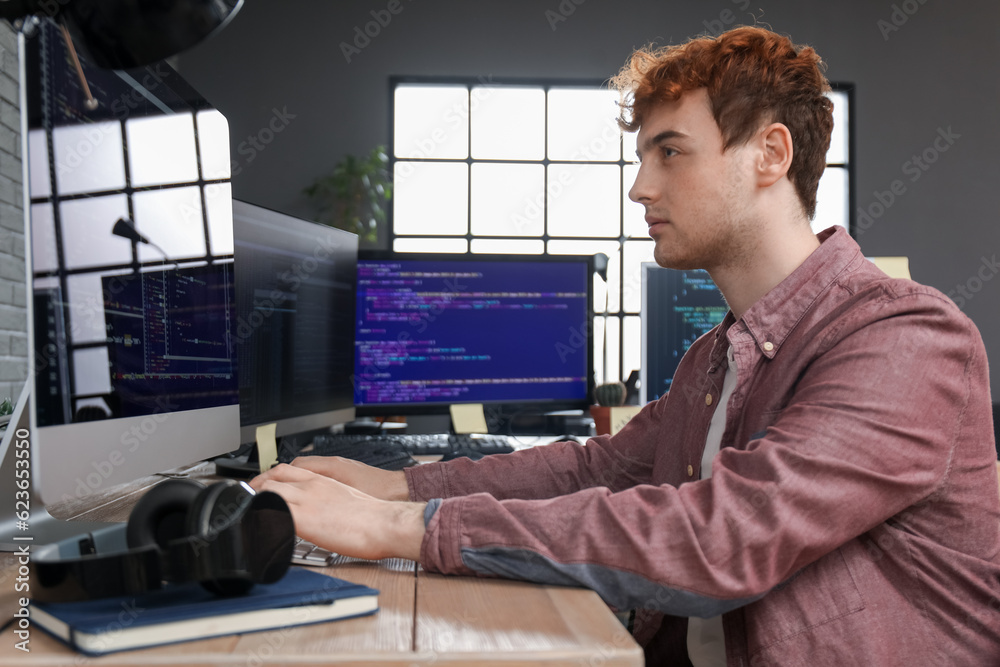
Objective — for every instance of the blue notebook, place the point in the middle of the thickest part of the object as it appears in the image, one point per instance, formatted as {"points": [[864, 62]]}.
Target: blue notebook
{"points": [[185, 612]]}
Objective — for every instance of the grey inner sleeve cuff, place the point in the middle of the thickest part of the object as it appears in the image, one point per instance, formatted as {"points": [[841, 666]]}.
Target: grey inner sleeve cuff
{"points": [[432, 507], [621, 589]]}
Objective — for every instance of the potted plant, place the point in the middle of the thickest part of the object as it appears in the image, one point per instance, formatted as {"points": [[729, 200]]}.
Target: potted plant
{"points": [[355, 195], [608, 395]]}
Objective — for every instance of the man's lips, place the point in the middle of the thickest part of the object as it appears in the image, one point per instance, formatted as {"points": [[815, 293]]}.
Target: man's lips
{"points": [[654, 222]]}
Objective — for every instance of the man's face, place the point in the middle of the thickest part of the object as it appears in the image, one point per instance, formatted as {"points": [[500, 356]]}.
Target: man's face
{"points": [[697, 197]]}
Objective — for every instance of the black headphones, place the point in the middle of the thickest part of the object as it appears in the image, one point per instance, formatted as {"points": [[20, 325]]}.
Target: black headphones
{"points": [[225, 536]]}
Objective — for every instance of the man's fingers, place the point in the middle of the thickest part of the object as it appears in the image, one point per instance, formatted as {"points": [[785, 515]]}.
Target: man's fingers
{"points": [[281, 473]]}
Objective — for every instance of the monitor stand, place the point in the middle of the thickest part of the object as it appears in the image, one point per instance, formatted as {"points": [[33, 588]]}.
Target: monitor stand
{"points": [[24, 521], [237, 465]]}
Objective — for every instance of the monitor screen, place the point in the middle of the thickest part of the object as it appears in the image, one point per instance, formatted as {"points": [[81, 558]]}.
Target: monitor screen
{"points": [[133, 366], [677, 308], [509, 331], [295, 321]]}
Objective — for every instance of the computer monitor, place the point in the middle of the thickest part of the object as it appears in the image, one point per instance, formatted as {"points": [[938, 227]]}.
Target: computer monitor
{"points": [[132, 368], [294, 332], [677, 307], [510, 332]]}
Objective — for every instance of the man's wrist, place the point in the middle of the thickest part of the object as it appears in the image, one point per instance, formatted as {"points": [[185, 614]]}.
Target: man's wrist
{"points": [[398, 489], [406, 533]]}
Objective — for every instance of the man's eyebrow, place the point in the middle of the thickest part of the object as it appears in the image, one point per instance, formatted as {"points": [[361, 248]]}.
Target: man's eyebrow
{"points": [[653, 141]]}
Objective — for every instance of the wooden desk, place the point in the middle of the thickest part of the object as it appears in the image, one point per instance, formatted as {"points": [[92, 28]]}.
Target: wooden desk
{"points": [[423, 619]]}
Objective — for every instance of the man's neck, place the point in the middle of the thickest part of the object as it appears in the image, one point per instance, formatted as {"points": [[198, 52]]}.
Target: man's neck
{"points": [[778, 254]]}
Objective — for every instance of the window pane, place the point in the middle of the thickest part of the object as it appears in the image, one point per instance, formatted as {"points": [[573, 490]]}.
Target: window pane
{"points": [[515, 246], [633, 214], [172, 219], [631, 345], [38, 164], [598, 349], [161, 150], [838, 140], [508, 199], [43, 239], [508, 123], [635, 253], [431, 121], [430, 245], [628, 147], [831, 199], [91, 371], [83, 220], [86, 298], [430, 198], [582, 125], [219, 202], [606, 351], [588, 200], [213, 141], [89, 158]]}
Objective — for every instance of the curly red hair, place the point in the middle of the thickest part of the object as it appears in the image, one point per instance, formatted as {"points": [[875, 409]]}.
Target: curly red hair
{"points": [[753, 76]]}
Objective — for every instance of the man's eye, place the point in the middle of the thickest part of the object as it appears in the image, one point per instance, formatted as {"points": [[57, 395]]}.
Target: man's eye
{"points": [[668, 151]]}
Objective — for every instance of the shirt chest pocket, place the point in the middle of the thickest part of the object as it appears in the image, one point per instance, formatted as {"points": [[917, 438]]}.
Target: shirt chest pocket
{"points": [[819, 593]]}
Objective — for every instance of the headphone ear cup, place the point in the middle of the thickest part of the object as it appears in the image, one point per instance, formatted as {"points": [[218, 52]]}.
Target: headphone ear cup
{"points": [[161, 514], [215, 520]]}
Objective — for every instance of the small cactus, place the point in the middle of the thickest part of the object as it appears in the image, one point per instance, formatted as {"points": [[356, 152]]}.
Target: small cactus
{"points": [[610, 394]]}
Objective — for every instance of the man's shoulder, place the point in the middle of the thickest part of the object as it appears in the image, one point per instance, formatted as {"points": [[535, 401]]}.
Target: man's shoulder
{"points": [[888, 296]]}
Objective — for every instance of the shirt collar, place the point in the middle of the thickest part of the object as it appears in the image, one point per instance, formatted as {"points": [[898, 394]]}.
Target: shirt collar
{"points": [[772, 318]]}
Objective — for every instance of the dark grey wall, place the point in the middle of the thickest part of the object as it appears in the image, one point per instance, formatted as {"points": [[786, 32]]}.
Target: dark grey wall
{"points": [[924, 69]]}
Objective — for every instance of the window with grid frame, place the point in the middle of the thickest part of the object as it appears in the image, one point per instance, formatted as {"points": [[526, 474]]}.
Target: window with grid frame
{"points": [[541, 167]]}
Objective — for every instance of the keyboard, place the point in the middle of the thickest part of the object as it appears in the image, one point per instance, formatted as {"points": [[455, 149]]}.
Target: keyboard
{"points": [[359, 448], [395, 451], [307, 553]]}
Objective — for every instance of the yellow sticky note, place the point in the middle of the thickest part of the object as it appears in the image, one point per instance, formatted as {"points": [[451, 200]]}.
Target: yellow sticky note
{"points": [[468, 418], [894, 267], [267, 446], [621, 415]]}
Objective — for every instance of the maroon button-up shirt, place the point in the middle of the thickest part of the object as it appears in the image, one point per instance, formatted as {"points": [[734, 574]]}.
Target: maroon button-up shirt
{"points": [[852, 516]]}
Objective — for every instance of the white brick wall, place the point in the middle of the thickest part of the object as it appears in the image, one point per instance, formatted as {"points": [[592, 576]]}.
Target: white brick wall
{"points": [[13, 315]]}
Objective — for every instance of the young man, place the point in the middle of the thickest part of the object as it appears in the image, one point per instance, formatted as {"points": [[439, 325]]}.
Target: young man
{"points": [[817, 488]]}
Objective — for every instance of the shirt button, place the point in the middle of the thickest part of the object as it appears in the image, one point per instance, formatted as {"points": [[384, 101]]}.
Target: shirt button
{"points": [[768, 346], [690, 471], [708, 399]]}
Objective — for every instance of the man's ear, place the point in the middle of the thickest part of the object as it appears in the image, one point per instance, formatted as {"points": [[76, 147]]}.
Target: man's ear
{"points": [[776, 152]]}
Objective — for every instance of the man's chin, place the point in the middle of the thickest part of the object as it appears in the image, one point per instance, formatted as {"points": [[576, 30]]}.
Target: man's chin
{"points": [[676, 261]]}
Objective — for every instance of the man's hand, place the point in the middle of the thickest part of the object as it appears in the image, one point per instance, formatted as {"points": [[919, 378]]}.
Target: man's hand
{"points": [[343, 519], [381, 484]]}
